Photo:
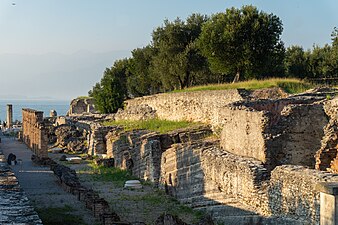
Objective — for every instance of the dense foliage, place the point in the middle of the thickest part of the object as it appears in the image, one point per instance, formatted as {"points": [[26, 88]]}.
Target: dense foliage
{"points": [[110, 93], [242, 43]]}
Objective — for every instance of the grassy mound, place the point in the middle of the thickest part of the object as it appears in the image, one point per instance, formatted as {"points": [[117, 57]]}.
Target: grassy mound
{"points": [[291, 86], [161, 126]]}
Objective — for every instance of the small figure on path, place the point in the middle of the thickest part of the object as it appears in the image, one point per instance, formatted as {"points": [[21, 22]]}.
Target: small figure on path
{"points": [[11, 158]]}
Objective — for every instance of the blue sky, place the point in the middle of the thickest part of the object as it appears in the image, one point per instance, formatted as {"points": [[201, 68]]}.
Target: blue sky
{"points": [[59, 48]]}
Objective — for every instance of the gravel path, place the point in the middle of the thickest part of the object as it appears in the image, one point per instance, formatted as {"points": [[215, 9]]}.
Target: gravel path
{"points": [[39, 182]]}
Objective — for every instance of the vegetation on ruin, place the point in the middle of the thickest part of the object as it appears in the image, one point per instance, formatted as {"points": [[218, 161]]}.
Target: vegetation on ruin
{"points": [[158, 125], [60, 215], [289, 85], [115, 175], [147, 203], [159, 199]]}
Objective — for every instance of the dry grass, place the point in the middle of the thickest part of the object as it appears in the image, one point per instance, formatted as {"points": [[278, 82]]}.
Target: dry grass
{"points": [[290, 85]]}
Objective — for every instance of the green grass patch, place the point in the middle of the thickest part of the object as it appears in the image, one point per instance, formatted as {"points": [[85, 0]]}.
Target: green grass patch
{"points": [[290, 85], [61, 215], [103, 174], [159, 199], [161, 126]]}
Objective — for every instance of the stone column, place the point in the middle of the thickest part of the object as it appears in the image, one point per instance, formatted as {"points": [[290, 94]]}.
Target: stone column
{"points": [[328, 203], [9, 115], [52, 113]]}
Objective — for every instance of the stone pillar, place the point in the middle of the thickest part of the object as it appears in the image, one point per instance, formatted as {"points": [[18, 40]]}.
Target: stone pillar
{"points": [[9, 115], [52, 113], [328, 203]]}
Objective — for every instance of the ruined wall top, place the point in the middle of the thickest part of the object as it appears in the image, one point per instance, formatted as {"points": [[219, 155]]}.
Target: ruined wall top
{"points": [[81, 106]]}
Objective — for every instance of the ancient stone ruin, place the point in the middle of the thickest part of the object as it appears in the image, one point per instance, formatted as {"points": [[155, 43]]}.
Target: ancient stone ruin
{"points": [[262, 165], [34, 132], [81, 105]]}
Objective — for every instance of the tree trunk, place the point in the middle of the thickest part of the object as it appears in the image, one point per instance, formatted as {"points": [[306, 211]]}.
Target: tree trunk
{"points": [[181, 82], [236, 79]]}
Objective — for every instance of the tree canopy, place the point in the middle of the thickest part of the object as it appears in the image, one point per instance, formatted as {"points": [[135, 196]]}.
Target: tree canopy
{"points": [[178, 62], [242, 41], [110, 93]]}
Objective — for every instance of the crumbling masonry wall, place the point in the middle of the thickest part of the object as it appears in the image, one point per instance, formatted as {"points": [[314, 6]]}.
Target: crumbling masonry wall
{"points": [[35, 135], [275, 132], [257, 137], [202, 174], [326, 157], [140, 151], [192, 106], [81, 106]]}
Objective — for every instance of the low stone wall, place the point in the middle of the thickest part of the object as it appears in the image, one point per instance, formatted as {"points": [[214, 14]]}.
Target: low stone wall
{"points": [[292, 192], [192, 106], [202, 174], [15, 207], [99, 206], [140, 150]]}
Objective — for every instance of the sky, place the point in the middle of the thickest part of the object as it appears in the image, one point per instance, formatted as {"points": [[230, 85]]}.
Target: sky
{"points": [[58, 49]]}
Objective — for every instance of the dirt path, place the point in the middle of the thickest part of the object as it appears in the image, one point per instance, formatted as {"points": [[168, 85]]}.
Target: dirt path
{"points": [[41, 185]]}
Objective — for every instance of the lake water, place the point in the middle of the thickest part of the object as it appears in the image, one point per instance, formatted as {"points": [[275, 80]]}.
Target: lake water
{"points": [[61, 107]]}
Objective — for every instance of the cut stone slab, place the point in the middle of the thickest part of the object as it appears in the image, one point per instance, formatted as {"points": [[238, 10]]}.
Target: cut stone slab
{"points": [[133, 184], [75, 160]]}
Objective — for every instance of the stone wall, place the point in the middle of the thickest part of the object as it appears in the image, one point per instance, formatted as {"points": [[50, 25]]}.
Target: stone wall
{"points": [[140, 151], [35, 135], [202, 174], [192, 106], [81, 106], [292, 192], [326, 157], [275, 132]]}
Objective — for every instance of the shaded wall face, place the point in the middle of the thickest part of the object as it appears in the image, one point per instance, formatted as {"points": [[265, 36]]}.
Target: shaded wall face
{"points": [[200, 175], [303, 130], [137, 152]]}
